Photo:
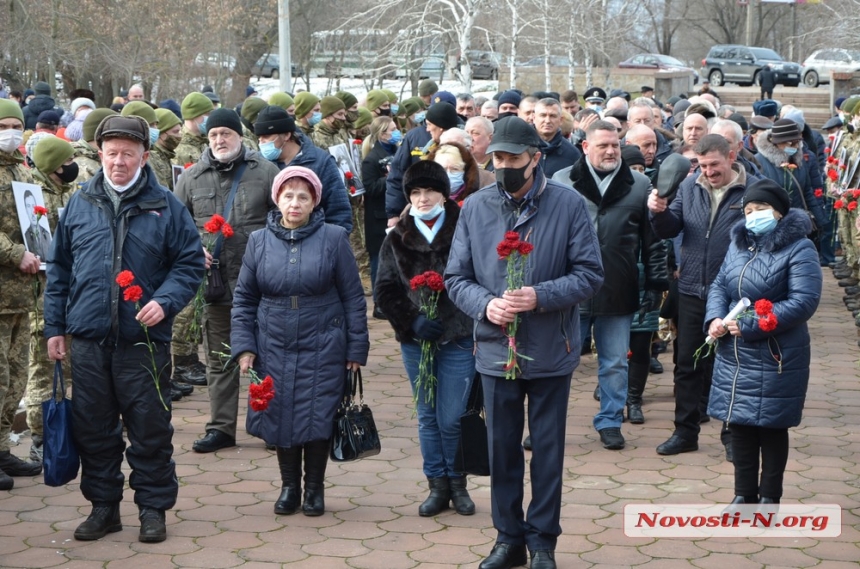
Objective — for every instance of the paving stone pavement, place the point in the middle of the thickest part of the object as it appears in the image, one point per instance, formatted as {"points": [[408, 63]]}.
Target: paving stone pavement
{"points": [[224, 514]]}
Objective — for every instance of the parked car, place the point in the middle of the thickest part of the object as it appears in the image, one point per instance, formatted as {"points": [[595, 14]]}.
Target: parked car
{"points": [[819, 65], [741, 64], [658, 61], [484, 64], [214, 60], [554, 61], [270, 66]]}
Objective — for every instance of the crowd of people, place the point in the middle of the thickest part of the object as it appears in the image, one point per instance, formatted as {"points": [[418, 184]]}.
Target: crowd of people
{"points": [[243, 232]]}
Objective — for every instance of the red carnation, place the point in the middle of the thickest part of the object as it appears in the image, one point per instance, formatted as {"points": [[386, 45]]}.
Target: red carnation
{"points": [[259, 404], [133, 293], [417, 282], [227, 230], [512, 236], [832, 175], [819, 192], [851, 206], [504, 249], [827, 150], [214, 225], [188, 165], [434, 281], [524, 247], [763, 307], [838, 204], [855, 193], [255, 390], [124, 278], [40, 210], [768, 323], [268, 383], [348, 175]]}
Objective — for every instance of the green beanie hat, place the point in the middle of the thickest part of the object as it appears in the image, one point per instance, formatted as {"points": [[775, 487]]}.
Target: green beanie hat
{"points": [[375, 99], [348, 99], [392, 96], [365, 117], [330, 105], [196, 105], [305, 102], [9, 109], [427, 88], [281, 99], [252, 107], [850, 105], [167, 119], [51, 153], [409, 107], [91, 123], [140, 109]]}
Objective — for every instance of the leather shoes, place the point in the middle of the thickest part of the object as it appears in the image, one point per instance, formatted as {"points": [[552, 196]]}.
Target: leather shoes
{"points": [[611, 438], [543, 560], [504, 556], [677, 445], [152, 526], [183, 388], [103, 519], [14, 466], [214, 440]]}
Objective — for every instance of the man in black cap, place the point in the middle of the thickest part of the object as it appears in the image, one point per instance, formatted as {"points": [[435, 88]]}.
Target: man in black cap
{"points": [[122, 221], [48, 121], [227, 173], [594, 98], [564, 270], [647, 91]]}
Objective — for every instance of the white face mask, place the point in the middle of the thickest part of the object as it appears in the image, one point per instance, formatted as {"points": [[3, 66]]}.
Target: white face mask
{"points": [[121, 189], [10, 140], [427, 215]]}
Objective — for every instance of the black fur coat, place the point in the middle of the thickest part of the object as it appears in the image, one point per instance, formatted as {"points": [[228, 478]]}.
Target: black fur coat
{"points": [[406, 253]]}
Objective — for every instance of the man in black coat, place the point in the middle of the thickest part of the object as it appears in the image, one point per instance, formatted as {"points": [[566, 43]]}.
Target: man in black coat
{"points": [[767, 81]]}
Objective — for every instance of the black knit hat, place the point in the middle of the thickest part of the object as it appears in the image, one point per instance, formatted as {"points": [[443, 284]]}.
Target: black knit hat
{"points": [[227, 118], [426, 174], [769, 192], [274, 120], [632, 155], [442, 115]]}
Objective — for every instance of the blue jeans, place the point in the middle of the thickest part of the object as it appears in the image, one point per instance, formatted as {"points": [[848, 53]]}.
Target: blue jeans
{"points": [[439, 423], [612, 339]]}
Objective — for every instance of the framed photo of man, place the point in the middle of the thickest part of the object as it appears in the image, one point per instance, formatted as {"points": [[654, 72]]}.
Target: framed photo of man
{"points": [[343, 157], [34, 225]]}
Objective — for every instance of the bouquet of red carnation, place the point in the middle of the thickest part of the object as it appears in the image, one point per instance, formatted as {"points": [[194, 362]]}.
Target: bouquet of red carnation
{"points": [[767, 322], [260, 392], [429, 286], [133, 293], [514, 252], [217, 224]]}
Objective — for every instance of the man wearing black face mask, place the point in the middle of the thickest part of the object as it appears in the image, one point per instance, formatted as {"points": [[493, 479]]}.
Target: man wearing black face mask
{"points": [[563, 270]]}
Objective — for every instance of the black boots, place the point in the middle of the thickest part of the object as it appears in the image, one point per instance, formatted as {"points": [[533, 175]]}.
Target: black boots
{"points": [[103, 519], [440, 496], [290, 463], [189, 369], [153, 528], [14, 466], [460, 498], [637, 376], [316, 459]]}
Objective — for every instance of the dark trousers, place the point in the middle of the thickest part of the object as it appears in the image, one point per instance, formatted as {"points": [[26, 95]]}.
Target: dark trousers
{"points": [[223, 380], [766, 94], [111, 382], [748, 443], [692, 379], [547, 412], [640, 347]]}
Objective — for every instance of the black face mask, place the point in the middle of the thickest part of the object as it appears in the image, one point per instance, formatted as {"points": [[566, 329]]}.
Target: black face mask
{"points": [[69, 173], [511, 180], [505, 115], [385, 112]]}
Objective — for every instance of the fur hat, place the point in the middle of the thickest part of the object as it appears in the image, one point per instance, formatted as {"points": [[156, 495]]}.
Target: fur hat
{"points": [[766, 108], [82, 102], [291, 172], [767, 191], [426, 174]]}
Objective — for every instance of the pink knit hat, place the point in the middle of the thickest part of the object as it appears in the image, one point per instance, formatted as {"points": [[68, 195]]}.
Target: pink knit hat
{"points": [[297, 172]]}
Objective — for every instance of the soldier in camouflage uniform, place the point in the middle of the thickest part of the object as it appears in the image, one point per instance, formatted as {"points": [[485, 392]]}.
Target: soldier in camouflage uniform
{"points": [[161, 154], [307, 112], [86, 151], [350, 103], [250, 109], [18, 268], [56, 172], [195, 109]]}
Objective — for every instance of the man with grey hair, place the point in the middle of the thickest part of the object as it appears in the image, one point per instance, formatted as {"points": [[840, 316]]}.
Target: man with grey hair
{"points": [[616, 103], [731, 131], [490, 110], [457, 136], [556, 151], [641, 112], [481, 132], [466, 105], [135, 93]]}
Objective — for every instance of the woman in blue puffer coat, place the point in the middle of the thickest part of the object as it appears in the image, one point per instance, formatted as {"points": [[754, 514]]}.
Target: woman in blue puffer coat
{"points": [[760, 377]]}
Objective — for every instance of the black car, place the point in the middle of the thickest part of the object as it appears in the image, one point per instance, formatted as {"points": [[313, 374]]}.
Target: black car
{"points": [[741, 64], [270, 66]]}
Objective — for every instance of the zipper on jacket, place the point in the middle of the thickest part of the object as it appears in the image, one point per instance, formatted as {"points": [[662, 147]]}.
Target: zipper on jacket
{"points": [[737, 357]]}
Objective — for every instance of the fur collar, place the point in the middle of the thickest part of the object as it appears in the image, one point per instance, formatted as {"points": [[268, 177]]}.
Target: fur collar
{"points": [[773, 154], [791, 228], [583, 182], [412, 237]]}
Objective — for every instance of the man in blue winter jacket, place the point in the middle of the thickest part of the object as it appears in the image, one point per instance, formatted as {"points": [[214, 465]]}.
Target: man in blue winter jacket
{"points": [[563, 270], [122, 221]]}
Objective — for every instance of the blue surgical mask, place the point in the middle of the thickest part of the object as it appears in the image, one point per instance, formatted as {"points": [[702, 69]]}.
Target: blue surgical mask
{"points": [[315, 118], [396, 137], [790, 150], [456, 179], [419, 117], [394, 109], [427, 216], [269, 151], [202, 126], [154, 133], [761, 222]]}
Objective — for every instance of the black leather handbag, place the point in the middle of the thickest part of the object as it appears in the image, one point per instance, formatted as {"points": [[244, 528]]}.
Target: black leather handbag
{"points": [[473, 452], [354, 435]]}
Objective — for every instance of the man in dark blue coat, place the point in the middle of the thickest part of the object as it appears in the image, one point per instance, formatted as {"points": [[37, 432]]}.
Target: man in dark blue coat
{"points": [[557, 152], [122, 221]]}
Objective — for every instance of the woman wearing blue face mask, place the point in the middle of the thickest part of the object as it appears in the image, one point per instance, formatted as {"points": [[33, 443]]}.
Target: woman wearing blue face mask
{"points": [[420, 242], [784, 159], [377, 151], [464, 175], [761, 371]]}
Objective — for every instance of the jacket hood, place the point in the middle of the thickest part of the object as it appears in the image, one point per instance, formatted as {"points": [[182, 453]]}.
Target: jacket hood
{"points": [[773, 154], [40, 103], [791, 228], [415, 240], [315, 222]]}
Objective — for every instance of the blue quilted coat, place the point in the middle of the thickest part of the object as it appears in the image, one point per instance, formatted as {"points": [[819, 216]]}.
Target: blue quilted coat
{"points": [[760, 378], [299, 306]]}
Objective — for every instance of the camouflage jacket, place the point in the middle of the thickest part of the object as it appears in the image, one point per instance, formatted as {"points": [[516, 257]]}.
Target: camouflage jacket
{"points": [[18, 294], [56, 196], [249, 139], [160, 159], [325, 136], [191, 146], [87, 159], [306, 130]]}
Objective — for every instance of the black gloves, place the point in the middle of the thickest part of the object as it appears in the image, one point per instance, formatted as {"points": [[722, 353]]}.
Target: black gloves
{"points": [[651, 301], [425, 329]]}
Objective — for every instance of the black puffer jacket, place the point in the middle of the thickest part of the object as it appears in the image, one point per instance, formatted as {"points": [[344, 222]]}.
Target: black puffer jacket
{"points": [[37, 106], [406, 253], [621, 219]]}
